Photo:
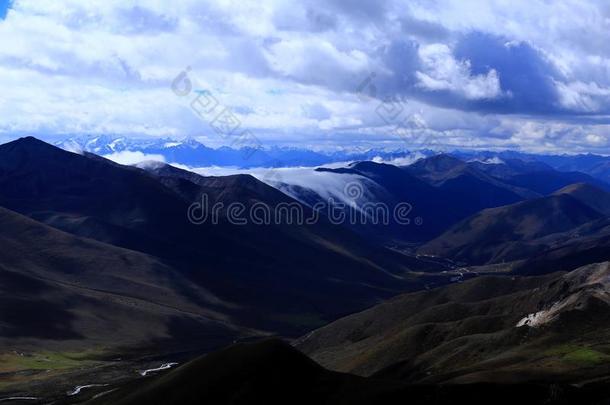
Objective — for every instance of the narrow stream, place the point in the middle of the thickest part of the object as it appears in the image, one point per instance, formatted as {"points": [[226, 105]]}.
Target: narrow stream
{"points": [[165, 366]]}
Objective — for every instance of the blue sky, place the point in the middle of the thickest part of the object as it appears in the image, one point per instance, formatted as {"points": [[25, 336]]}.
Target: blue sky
{"points": [[4, 6], [530, 75]]}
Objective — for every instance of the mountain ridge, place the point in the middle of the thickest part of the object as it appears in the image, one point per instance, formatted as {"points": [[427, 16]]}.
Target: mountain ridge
{"points": [[310, 273]]}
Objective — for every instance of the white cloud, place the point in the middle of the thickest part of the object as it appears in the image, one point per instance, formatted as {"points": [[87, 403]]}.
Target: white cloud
{"points": [[289, 69], [596, 139], [326, 185], [133, 158], [444, 72], [585, 97], [401, 161]]}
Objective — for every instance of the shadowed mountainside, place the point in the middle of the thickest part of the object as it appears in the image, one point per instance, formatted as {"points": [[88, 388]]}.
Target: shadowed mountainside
{"points": [[392, 185], [490, 329], [282, 278], [509, 233], [63, 291], [272, 372]]}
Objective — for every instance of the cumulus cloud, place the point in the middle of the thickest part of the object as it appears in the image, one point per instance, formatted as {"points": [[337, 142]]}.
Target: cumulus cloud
{"points": [[444, 72]]}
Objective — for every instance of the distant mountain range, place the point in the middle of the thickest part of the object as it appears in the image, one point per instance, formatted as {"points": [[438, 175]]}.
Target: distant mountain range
{"points": [[191, 152], [594, 165]]}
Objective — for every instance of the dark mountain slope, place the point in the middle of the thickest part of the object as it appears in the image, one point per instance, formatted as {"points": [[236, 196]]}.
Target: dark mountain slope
{"points": [[69, 190], [436, 169], [507, 168], [242, 188], [504, 233], [427, 186], [589, 243], [391, 185], [549, 181], [594, 197], [526, 178], [452, 174], [58, 287], [594, 165], [284, 278], [493, 329], [249, 191], [271, 372], [449, 178]]}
